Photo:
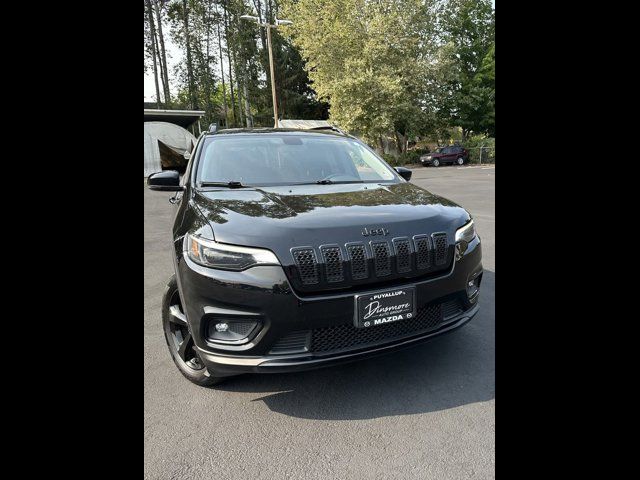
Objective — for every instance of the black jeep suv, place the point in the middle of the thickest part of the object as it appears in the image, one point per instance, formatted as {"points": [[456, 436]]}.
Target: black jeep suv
{"points": [[298, 249]]}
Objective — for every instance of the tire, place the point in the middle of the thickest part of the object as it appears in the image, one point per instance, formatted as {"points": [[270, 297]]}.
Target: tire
{"points": [[176, 333], [435, 162], [460, 161]]}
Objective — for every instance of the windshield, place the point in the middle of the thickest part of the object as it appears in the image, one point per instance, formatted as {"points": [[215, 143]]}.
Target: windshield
{"points": [[271, 159]]}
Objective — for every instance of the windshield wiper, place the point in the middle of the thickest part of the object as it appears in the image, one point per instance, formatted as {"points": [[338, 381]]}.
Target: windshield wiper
{"points": [[232, 184], [338, 182]]}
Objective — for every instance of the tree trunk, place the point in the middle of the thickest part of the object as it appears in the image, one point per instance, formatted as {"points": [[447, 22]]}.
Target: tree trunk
{"points": [[163, 55], [239, 75], [226, 36], [160, 68], [398, 141], [247, 106], [192, 93], [152, 32], [206, 18], [224, 88], [239, 93], [263, 35]]}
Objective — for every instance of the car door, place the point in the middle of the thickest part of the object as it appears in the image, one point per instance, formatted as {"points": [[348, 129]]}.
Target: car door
{"points": [[456, 152], [449, 155]]}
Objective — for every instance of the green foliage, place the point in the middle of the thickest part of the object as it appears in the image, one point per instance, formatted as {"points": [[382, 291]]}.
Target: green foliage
{"points": [[422, 150], [467, 65], [410, 157], [366, 58], [473, 144], [222, 44], [393, 69], [403, 67], [391, 160]]}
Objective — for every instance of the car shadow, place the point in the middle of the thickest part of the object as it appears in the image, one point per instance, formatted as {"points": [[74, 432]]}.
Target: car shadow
{"points": [[447, 372]]}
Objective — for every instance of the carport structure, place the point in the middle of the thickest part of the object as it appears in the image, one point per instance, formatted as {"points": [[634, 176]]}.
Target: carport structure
{"points": [[167, 138], [187, 119]]}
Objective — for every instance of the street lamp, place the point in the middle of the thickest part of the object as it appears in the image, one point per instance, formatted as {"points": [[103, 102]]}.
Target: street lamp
{"points": [[273, 81]]}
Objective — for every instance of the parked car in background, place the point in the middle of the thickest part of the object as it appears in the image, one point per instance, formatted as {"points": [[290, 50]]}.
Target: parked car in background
{"points": [[446, 155]]}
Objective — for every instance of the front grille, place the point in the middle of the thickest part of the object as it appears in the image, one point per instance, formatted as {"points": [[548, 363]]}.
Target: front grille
{"points": [[359, 264], [423, 251], [346, 336], [440, 245], [332, 256], [381, 258], [402, 248], [338, 266], [307, 264]]}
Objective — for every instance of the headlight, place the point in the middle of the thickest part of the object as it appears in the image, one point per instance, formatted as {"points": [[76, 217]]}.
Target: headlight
{"points": [[466, 233], [226, 257]]}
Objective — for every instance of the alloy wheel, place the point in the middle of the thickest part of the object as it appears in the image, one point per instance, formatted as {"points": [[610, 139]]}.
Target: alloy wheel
{"points": [[179, 336]]}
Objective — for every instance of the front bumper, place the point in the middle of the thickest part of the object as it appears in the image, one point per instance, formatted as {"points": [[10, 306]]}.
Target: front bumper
{"points": [[264, 294], [225, 365]]}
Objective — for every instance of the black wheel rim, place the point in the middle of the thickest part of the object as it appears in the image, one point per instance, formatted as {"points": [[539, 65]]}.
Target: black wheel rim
{"points": [[179, 336]]}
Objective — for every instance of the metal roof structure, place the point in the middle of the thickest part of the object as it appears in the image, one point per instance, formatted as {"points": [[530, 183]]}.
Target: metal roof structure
{"points": [[183, 118]]}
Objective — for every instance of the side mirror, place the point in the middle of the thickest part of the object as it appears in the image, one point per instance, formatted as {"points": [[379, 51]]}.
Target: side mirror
{"points": [[404, 173], [167, 181], [186, 155]]}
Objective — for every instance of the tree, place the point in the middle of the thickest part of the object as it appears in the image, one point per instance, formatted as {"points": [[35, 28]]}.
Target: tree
{"points": [[158, 6], [368, 59], [152, 48], [468, 31]]}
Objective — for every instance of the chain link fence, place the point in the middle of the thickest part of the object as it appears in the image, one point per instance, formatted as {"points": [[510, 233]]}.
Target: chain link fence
{"points": [[482, 154]]}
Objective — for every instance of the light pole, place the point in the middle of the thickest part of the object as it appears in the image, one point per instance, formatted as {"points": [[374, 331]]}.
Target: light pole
{"points": [[273, 80]]}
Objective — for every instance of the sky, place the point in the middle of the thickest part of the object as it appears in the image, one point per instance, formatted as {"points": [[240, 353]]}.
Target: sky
{"points": [[174, 54]]}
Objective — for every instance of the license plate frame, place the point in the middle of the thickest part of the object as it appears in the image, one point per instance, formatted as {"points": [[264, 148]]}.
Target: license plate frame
{"points": [[384, 306]]}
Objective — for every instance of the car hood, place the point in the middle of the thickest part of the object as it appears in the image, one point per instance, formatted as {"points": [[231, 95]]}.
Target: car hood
{"points": [[280, 218]]}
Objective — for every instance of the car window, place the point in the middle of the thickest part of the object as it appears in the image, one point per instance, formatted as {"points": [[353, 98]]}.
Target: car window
{"points": [[269, 159]]}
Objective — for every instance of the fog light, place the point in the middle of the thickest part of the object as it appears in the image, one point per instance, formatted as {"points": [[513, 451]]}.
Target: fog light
{"points": [[473, 286], [231, 331]]}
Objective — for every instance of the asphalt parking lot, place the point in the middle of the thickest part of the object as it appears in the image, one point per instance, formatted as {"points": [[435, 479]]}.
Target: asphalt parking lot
{"points": [[425, 412]]}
